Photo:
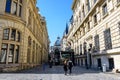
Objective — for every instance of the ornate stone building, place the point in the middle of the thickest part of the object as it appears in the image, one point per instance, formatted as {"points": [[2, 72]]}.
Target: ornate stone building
{"points": [[24, 40], [94, 33]]}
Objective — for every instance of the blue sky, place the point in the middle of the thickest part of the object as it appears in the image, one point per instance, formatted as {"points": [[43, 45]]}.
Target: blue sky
{"points": [[57, 13]]}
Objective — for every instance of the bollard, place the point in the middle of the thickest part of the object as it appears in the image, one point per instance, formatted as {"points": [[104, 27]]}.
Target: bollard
{"points": [[104, 68]]}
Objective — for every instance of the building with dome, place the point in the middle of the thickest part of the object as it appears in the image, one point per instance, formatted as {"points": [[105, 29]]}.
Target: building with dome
{"points": [[55, 51]]}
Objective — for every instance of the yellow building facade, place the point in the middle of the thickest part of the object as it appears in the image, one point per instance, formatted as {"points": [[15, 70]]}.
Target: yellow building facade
{"points": [[94, 33], [24, 39]]}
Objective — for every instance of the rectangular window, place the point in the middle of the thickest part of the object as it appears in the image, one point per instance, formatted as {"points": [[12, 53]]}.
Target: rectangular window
{"points": [[104, 8], [18, 36], [97, 44], [107, 39], [3, 54], [83, 30], [88, 2], [119, 26], [8, 6], [77, 49], [11, 53], [20, 10], [118, 1], [14, 8], [88, 26], [17, 54], [84, 48], [5, 34], [13, 34], [95, 18], [80, 49]]}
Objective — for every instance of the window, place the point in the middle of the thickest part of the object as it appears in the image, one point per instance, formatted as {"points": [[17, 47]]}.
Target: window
{"points": [[88, 26], [95, 1], [80, 49], [33, 52], [18, 36], [8, 6], [5, 34], [88, 5], [83, 11], [97, 44], [20, 10], [11, 53], [13, 34], [3, 53], [28, 55], [104, 8], [83, 30], [30, 17], [95, 18], [84, 47], [118, 1], [119, 26], [77, 49], [107, 39], [17, 54], [80, 16], [29, 41], [14, 8]]}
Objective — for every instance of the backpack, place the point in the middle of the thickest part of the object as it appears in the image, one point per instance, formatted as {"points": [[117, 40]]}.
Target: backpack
{"points": [[70, 64]]}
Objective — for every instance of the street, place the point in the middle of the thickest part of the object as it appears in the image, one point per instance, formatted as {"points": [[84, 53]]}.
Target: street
{"points": [[57, 73]]}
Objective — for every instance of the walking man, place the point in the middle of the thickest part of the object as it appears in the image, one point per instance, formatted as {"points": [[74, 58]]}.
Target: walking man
{"points": [[70, 65]]}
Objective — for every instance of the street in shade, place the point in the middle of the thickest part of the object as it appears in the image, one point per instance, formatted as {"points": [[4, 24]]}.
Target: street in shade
{"points": [[57, 73]]}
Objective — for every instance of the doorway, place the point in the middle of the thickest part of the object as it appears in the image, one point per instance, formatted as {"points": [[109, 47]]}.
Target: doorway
{"points": [[99, 63], [111, 63]]}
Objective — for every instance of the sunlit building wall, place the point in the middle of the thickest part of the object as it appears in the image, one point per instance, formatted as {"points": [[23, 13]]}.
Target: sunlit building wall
{"points": [[95, 33], [23, 34]]}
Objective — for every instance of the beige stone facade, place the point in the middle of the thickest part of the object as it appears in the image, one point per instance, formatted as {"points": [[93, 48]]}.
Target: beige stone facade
{"points": [[24, 39], [94, 33]]}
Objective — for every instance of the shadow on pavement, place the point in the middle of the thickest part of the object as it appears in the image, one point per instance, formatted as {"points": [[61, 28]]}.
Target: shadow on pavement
{"points": [[54, 70]]}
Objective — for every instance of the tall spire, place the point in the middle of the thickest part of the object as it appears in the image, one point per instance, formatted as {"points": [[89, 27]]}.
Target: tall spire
{"points": [[66, 30]]}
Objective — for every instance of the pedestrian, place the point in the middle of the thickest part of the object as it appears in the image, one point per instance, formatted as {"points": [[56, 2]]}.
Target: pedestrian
{"points": [[70, 65], [44, 66], [50, 63], [65, 67]]}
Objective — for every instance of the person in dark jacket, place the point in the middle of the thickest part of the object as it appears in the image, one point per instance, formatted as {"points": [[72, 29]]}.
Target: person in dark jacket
{"points": [[50, 63], [70, 65], [65, 67]]}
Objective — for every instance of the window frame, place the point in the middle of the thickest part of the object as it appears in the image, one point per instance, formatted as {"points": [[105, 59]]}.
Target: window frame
{"points": [[97, 43], [8, 6], [107, 39], [3, 50], [104, 8], [6, 33]]}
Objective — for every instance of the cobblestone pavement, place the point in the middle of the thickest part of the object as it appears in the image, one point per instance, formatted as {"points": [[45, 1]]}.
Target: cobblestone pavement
{"points": [[57, 73]]}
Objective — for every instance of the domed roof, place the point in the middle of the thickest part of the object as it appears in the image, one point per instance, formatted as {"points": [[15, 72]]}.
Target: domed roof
{"points": [[58, 43]]}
